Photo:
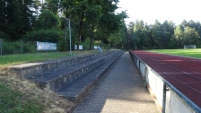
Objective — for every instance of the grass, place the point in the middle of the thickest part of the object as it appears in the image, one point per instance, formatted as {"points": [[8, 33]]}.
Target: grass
{"points": [[15, 102], [196, 53], [23, 96], [8, 60]]}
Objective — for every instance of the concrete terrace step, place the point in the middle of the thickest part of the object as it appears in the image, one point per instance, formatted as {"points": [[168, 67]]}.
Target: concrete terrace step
{"points": [[78, 89], [58, 79], [70, 78], [30, 70]]}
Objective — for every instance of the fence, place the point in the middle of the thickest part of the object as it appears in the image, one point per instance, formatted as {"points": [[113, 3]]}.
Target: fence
{"points": [[16, 47]]}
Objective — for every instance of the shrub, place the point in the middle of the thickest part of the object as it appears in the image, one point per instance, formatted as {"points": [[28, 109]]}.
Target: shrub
{"points": [[49, 35], [86, 44], [62, 45]]}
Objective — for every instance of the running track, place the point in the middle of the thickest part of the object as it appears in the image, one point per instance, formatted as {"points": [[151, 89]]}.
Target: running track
{"points": [[182, 72]]}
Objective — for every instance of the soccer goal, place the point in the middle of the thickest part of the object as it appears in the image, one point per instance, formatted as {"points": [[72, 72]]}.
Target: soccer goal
{"points": [[189, 46]]}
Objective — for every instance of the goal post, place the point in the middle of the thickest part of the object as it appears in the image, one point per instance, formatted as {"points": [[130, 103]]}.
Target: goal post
{"points": [[189, 46]]}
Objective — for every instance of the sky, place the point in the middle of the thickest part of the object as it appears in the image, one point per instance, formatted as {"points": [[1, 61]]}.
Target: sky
{"points": [[161, 10]]}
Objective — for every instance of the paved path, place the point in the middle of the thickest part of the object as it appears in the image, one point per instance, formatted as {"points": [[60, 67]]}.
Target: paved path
{"points": [[120, 91]]}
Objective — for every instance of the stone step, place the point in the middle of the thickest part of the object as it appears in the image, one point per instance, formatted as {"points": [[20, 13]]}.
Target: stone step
{"points": [[58, 79], [30, 70], [78, 89]]}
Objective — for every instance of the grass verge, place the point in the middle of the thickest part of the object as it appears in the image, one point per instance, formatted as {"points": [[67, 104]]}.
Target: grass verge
{"points": [[22, 96], [196, 53], [12, 101], [8, 60]]}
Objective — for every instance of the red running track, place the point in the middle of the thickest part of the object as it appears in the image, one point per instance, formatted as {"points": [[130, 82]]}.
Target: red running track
{"points": [[182, 72]]}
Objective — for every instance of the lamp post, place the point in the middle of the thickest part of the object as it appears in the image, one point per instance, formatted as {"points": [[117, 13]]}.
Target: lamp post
{"points": [[69, 29], [1, 50]]}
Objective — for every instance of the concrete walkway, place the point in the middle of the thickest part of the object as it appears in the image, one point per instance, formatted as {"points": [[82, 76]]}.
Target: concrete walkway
{"points": [[120, 91]]}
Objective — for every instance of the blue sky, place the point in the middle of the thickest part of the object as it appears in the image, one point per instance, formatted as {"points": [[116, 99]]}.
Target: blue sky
{"points": [[161, 10]]}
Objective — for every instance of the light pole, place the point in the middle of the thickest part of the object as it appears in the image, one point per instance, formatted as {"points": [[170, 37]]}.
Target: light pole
{"points": [[69, 29], [1, 50]]}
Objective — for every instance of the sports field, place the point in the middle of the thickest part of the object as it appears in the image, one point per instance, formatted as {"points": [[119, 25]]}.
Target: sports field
{"points": [[180, 52]]}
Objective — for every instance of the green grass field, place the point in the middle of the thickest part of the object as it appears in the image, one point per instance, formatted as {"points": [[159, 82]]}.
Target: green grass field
{"points": [[196, 53]]}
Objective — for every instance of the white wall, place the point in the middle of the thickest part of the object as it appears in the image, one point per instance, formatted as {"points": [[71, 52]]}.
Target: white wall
{"points": [[177, 105]]}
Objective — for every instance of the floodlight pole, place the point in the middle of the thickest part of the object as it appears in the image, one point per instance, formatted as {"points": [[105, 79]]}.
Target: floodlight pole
{"points": [[69, 28], [1, 50]]}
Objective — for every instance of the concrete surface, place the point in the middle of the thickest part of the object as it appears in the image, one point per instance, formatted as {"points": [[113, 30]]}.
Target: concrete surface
{"points": [[120, 91]]}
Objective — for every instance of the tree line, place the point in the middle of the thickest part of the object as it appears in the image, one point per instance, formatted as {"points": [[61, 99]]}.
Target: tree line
{"points": [[44, 20], [93, 22], [164, 35]]}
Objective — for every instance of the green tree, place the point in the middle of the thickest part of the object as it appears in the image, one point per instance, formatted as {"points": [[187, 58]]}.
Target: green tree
{"points": [[178, 34], [16, 18], [190, 36], [156, 34], [92, 18], [130, 42], [3, 19], [188, 33], [124, 35], [52, 5], [168, 33], [92, 15], [47, 20], [140, 34]]}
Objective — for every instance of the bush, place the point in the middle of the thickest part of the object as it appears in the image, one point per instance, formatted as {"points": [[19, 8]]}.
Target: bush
{"points": [[86, 44], [49, 35], [62, 45]]}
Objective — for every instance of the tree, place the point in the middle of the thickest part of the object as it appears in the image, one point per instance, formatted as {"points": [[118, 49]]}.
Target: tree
{"points": [[156, 34], [178, 34], [161, 35], [92, 15], [3, 19], [75, 11], [16, 18], [124, 36], [92, 18], [168, 33], [130, 42], [190, 36], [139, 34], [116, 39], [47, 20], [188, 33], [52, 5]]}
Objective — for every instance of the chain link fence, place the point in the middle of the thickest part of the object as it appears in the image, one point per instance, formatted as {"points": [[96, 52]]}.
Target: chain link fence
{"points": [[16, 47]]}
